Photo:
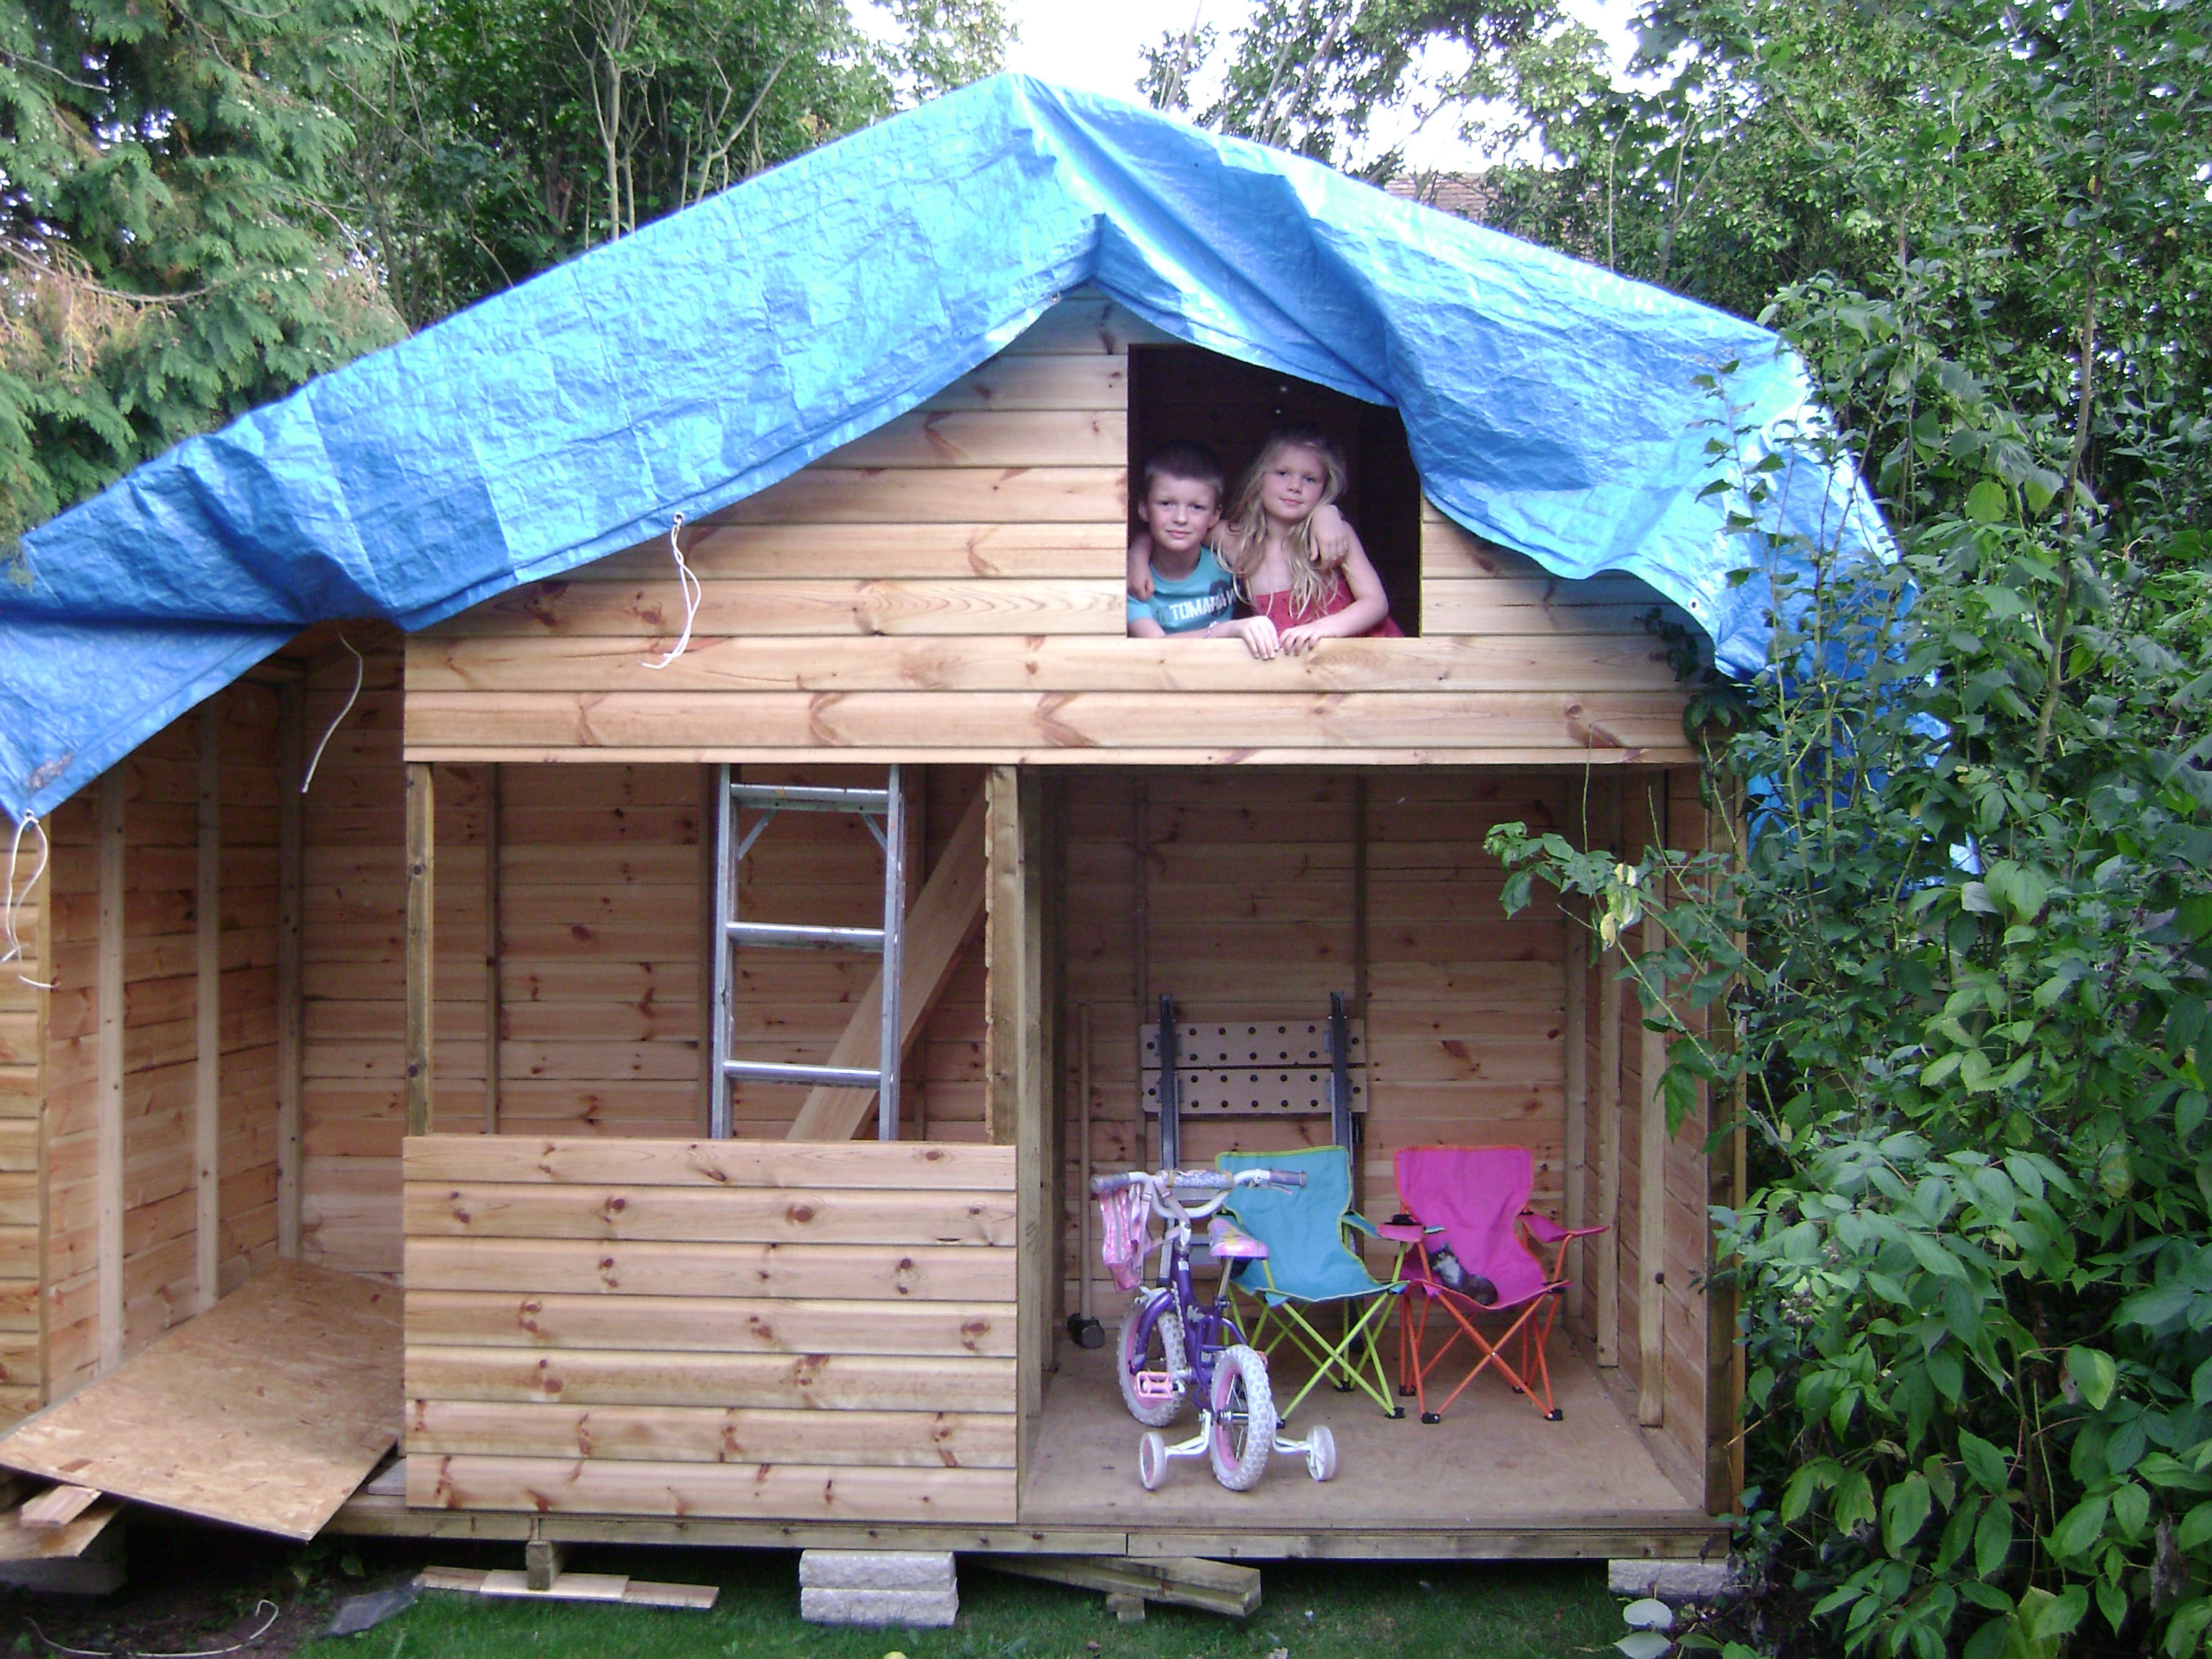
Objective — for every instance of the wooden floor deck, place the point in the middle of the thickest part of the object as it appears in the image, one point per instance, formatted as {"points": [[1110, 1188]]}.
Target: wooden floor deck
{"points": [[1494, 1479]]}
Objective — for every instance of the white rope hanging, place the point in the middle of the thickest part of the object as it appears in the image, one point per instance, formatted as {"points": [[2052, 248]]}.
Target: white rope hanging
{"points": [[692, 590], [359, 668], [9, 905]]}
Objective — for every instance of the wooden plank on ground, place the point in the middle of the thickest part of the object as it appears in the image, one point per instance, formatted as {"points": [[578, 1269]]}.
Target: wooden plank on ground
{"points": [[568, 1587], [944, 916], [20, 1543], [58, 1506], [1220, 1587], [265, 1412]]}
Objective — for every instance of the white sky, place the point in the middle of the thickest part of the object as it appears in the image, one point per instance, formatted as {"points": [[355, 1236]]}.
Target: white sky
{"points": [[1095, 48]]}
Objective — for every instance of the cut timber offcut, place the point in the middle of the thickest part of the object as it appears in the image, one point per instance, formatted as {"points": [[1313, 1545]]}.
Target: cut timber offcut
{"points": [[58, 1506], [570, 1587], [265, 1412]]}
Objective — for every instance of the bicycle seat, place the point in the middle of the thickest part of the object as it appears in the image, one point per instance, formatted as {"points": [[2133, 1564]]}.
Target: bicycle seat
{"points": [[1228, 1243]]}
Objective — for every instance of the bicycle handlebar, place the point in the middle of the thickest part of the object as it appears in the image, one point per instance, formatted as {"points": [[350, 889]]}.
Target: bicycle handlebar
{"points": [[1198, 1180]]}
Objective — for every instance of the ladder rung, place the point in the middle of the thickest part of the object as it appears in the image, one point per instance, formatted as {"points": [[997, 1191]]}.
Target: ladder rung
{"points": [[820, 939], [828, 1077], [807, 797]]}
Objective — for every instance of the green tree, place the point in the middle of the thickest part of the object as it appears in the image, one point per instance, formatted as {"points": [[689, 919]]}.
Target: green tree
{"points": [[1311, 75], [167, 255], [503, 136]]}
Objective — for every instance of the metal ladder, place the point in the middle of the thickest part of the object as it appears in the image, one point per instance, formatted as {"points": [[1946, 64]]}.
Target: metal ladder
{"points": [[887, 805]]}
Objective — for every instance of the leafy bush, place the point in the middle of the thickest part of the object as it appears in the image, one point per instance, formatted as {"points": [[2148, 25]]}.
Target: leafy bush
{"points": [[1957, 968]]}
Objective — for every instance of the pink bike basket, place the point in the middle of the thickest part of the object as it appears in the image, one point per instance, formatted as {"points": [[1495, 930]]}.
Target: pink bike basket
{"points": [[1121, 1234]]}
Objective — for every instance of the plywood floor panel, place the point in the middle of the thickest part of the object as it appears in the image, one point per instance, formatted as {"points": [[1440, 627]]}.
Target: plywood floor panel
{"points": [[265, 1412]]}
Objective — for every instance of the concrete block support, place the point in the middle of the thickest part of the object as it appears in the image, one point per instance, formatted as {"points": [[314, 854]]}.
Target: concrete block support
{"points": [[878, 1586], [1674, 1581]]}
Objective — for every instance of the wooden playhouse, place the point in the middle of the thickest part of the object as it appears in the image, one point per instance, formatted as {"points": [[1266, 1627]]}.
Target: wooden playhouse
{"points": [[446, 1020]]}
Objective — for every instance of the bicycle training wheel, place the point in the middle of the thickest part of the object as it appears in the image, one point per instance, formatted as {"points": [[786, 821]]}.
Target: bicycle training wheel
{"points": [[1162, 1352], [1243, 1419], [1320, 1453]]}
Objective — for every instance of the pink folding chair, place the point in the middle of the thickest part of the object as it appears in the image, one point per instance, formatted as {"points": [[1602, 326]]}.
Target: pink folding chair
{"points": [[1474, 1199]]}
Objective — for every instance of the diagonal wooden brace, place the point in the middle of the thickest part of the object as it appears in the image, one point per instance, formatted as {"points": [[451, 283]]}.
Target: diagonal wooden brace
{"points": [[945, 915]]}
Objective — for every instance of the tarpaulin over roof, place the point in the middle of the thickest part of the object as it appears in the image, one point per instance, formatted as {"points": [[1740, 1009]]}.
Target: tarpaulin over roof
{"points": [[1550, 406]]}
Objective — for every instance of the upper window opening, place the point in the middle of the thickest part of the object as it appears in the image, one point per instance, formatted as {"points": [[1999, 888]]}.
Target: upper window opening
{"points": [[1186, 392]]}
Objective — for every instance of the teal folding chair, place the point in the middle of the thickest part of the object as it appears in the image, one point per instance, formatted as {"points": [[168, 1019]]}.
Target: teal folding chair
{"points": [[1309, 1266]]}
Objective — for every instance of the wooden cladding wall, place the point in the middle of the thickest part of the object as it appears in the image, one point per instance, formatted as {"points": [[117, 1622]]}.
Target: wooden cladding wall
{"points": [[603, 898], [733, 1328], [950, 587], [164, 1129], [1647, 1306], [597, 958], [1253, 895]]}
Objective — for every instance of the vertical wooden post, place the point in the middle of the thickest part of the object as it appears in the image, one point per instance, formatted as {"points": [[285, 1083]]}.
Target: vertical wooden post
{"points": [[1356, 1154], [1651, 1211], [1609, 1014], [422, 853], [107, 1149], [291, 993], [710, 935], [1577, 1039], [1013, 1052], [1041, 1043], [207, 1025], [494, 772], [1140, 952], [43, 895]]}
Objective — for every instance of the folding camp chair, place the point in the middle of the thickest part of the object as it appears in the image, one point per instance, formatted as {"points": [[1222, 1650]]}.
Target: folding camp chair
{"points": [[1308, 1265], [1476, 1200]]}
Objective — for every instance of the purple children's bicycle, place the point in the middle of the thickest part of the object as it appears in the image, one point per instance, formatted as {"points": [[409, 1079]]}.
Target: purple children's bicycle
{"points": [[1174, 1345]]}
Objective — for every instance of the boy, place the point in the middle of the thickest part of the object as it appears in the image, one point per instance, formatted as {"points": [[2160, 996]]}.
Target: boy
{"points": [[1189, 595]]}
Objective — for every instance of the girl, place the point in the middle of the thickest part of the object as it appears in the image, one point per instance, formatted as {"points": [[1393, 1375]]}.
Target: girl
{"points": [[1268, 547]]}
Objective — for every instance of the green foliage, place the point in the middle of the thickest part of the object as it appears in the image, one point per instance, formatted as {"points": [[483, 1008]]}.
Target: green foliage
{"points": [[503, 136], [1312, 74], [167, 260], [1959, 963]]}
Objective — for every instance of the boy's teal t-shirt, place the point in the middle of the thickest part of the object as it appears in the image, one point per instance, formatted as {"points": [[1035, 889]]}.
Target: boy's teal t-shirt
{"points": [[1187, 605]]}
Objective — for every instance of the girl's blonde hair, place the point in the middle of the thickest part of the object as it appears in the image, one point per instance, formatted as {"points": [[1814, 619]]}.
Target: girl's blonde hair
{"points": [[1244, 540]]}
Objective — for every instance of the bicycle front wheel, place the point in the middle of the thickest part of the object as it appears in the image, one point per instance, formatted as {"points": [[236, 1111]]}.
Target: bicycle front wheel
{"points": [[1243, 1419], [1159, 1351]]}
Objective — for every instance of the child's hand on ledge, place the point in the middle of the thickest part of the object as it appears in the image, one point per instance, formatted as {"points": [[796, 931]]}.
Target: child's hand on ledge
{"points": [[1258, 634], [1140, 566]]}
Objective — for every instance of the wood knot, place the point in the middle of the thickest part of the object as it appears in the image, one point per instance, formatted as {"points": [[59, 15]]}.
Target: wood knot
{"points": [[800, 1214]]}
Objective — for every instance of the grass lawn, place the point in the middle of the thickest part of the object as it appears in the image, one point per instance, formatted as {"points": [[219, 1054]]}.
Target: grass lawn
{"points": [[1507, 1610]]}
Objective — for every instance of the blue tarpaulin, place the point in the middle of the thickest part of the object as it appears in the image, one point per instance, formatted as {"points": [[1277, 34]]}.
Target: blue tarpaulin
{"points": [[1550, 406]]}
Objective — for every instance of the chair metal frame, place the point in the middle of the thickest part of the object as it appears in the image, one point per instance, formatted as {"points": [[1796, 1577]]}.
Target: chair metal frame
{"points": [[1425, 1293], [1285, 1319]]}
